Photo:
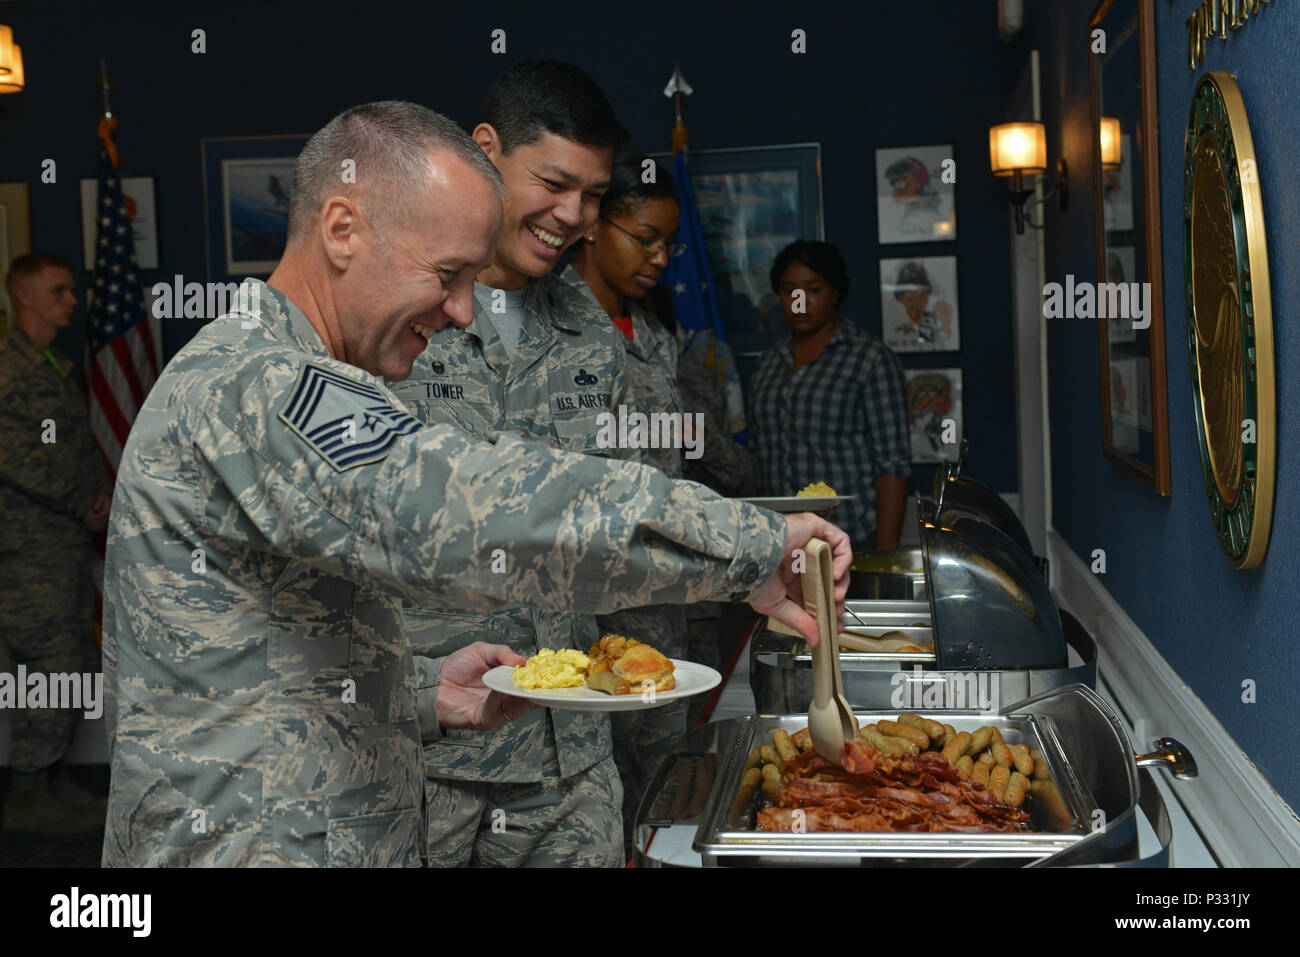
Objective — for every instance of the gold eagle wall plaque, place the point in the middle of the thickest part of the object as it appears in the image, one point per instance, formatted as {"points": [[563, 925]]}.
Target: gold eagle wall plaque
{"points": [[1229, 319]]}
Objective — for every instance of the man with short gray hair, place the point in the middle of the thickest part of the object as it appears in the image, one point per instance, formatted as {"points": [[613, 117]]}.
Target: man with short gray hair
{"points": [[378, 148], [275, 501]]}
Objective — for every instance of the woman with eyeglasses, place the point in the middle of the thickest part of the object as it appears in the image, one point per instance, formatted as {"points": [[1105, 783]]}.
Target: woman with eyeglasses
{"points": [[618, 263]]}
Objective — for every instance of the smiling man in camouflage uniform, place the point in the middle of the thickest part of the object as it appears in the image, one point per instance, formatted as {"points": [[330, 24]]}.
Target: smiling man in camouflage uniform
{"points": [[275, 501], [541, 361]]}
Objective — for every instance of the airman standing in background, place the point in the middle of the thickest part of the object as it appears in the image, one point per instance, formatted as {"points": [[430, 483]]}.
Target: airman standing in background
{"points": [[53, 493]]}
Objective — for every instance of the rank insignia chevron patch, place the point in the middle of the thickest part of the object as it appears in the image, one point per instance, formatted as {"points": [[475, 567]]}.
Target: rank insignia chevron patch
{"points": [[347, 422]]}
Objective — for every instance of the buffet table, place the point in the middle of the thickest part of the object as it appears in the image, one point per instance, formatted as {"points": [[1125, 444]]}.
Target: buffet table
{"points": [[671, 845]]}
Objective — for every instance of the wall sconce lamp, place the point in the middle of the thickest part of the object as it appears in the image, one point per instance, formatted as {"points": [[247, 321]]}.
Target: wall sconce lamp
{"points": [[1111, 143], [1019, 150], [11, 63]]}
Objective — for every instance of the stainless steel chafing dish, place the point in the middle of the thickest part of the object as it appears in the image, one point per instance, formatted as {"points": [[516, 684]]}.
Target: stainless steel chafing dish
{"points": [[956, 494], [889, 576], [780, 668], [900, 574], [980, 601], [1083, 810]]}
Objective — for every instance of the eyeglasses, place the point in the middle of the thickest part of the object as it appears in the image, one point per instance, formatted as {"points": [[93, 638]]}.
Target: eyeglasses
{"points": [[651, 247]]}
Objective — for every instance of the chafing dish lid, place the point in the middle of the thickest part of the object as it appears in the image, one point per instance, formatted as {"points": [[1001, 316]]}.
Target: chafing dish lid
{"points": [[989, 606], [962, 495]]}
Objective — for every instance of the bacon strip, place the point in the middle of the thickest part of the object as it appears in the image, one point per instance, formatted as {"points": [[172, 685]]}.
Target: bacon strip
{"points": [[871, 791]]}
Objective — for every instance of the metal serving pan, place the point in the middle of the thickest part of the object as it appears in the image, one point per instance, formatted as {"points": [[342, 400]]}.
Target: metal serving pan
{"points": [[666, 821], [1083, 810], [729, 836], [897, 575], [780, 667]]}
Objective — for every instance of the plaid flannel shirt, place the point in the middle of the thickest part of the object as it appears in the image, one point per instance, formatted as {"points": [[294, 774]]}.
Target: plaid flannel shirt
{"points": [[840, 419]]}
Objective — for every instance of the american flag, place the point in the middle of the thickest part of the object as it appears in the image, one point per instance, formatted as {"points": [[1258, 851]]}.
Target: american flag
{"points": [[125, 339], [124, 347]]}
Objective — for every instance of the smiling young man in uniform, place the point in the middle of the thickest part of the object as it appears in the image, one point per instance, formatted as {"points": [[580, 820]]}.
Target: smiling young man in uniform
{"points": [[275, 502], [539, 360]]}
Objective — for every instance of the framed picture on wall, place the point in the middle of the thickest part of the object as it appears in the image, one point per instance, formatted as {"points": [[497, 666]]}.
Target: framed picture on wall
{"points": [[934, 414], [15, 237], [1121, 266], [247, 182], [1124, 402], [753, 202], [918, 304], [916, 194], [138, 193]]}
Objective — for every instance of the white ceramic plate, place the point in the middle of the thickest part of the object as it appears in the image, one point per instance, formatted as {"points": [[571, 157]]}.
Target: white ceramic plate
{"points": [[794, 503], [692, 679]]}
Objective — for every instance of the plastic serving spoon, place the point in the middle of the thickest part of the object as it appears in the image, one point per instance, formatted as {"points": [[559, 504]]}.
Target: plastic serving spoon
{"points": [[830, 721]]}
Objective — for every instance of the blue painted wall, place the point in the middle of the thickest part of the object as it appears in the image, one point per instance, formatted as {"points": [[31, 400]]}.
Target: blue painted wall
{"points": [[883, 77], [1216, 626]]}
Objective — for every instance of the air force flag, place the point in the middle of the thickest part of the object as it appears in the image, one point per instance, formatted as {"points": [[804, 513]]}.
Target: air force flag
{"points": [[690, 280]]}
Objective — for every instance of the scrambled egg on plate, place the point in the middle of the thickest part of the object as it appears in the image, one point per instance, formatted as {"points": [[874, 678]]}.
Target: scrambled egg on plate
{"points": [[816, 490], [566, 668]]}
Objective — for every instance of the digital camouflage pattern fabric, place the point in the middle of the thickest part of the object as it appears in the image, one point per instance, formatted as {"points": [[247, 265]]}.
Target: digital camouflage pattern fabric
{"points": [[642, 739], [50, 473], [569, 822], [726, 466], [566, 370], [262, 703], [729, 469]]}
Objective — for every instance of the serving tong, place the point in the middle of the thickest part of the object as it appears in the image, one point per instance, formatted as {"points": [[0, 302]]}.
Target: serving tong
{"points": [[783, 629], [830, 720]]}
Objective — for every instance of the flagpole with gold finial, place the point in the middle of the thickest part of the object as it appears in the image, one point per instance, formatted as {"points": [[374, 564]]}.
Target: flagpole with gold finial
{"points": [[108, 122], [677, 89]]}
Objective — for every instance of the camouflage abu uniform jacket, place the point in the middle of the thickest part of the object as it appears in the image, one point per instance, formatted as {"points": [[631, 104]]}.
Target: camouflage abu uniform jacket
{"points": [[651, 369], [273, 506], [652, 381], [46, 486], [726, 466], [567, 369]]}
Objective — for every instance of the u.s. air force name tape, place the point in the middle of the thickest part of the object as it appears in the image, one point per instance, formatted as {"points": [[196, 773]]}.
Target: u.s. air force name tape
{"points": [[347, 422]]}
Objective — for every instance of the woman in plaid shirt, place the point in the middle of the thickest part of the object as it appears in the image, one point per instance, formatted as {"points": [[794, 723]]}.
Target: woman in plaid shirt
{"points": [[829, 404]]}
